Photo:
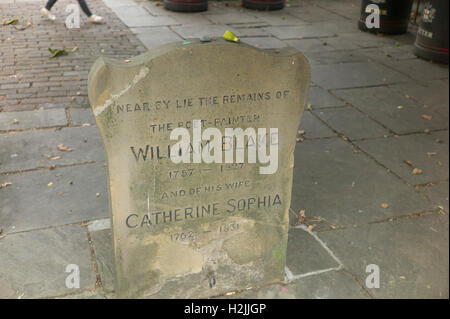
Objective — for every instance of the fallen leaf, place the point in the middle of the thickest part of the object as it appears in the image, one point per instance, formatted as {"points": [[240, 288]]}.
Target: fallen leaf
{"points": [[409, 163], [310, 228], [426, 117], [301, 132], [417, 171], [50, 184], [62, 147], [384, 205], [402, 277], [11, 21], [55, 158], [5, 184], [52, 167]]}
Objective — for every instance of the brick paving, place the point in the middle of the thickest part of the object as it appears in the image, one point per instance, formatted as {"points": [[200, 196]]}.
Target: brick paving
{"points": [[30, 80], [375, 113]]}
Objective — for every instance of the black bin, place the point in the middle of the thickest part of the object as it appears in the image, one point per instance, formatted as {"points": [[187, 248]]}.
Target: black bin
{"points": [[263, 4], [432, 36], [186, 5], [394, 15]]}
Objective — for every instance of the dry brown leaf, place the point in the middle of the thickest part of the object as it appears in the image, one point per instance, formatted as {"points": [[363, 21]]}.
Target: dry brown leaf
{"points": [[52, 167], [384, 205], [426, 117], [5, 184], [64, 148], [409, 163], [417, 171]]}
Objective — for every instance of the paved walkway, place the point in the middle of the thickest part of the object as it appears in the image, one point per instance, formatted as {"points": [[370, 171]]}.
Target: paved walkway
{"points": [[371, 170]]}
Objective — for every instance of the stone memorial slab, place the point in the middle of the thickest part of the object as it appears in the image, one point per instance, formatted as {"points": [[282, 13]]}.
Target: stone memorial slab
{"points": [[199, 139]]}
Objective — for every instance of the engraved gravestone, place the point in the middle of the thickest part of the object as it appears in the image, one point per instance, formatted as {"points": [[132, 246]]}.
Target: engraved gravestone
{"points": [[199, 139]]}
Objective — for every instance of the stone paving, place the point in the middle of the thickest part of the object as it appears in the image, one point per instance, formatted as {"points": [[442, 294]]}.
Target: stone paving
{"points": [[375, 114]]}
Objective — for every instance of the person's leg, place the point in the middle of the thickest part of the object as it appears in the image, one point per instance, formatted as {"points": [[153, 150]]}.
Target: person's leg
{"points": [[46, 10], [50, 4], [92, 18], [84, 7]]}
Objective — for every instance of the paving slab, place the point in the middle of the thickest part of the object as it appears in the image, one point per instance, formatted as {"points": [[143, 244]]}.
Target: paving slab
{"points": [[320, 98], [250, 32], [153, 37], [412, 255], [31, 202], [34, 149], [96, 294], [103, 248], [420, 70], [329, 285], [32, 119], [299, 32], [345, 187], [348, 75], [136, 16], [314, 128], [421, 150], [232, 18], [276, 18], [82, 116], [33, 264], [434, 94], [305, 254], [335, 57], [310, 45], [264, 42], [438, 194], [351, 123], [400, 114], [197, 31]]}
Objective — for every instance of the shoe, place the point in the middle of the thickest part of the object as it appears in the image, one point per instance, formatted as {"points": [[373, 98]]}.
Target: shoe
{"points": [[96, 19], [47, 14]]}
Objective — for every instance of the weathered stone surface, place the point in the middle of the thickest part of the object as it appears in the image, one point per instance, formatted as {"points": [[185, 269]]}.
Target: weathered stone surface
{"points": [[104, 254], [347, 75], [352, 123], [33, 264], [412, 255], [427, 152], [333, 182], [393, 110], [82, 116], [63, 195], [192, 229], [311, 127], [328, 285], [306, 255], [32, 119], [34, 149]]}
